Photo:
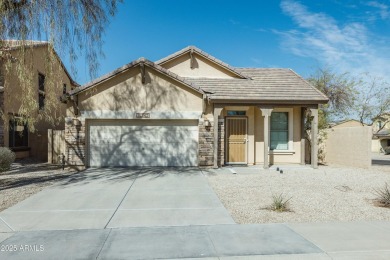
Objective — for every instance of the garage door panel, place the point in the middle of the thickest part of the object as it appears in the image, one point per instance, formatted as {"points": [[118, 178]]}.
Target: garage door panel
{"points": [[126, 159], [169, 144], [154, 134]]}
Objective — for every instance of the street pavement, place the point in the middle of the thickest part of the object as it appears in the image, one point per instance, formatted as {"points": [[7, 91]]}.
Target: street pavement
{"points": [[165, 213]]}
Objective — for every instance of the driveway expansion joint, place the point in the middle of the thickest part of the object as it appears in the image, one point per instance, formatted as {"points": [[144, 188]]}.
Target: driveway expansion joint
{"points": [[7, 224], [100, 251], [120, 203]]}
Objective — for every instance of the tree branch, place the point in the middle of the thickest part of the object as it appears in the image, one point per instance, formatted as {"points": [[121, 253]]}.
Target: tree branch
{"points": [[12, 5]]}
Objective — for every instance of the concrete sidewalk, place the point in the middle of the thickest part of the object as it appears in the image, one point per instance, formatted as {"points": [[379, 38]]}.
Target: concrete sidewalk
{"points": [[350, 240]]}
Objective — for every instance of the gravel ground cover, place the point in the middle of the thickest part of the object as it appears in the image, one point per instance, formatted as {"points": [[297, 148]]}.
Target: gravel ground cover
{"points": [[26, 178], [326, 194]]}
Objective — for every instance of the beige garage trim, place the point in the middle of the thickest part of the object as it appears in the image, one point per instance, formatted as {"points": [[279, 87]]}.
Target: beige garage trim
{"points": [[116, 143]]}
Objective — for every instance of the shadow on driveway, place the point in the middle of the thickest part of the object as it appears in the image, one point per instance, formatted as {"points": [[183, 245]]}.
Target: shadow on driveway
{"points": [[115, 175]]}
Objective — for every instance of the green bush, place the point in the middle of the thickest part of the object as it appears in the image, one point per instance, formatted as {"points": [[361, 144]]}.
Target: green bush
{"points": [[382, 197], [280, 203], [7, 157]]}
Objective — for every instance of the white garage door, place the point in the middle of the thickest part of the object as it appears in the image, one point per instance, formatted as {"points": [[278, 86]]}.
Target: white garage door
{"points": [[143, 143]]}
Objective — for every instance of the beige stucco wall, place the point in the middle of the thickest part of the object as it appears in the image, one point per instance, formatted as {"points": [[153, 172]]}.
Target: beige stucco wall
{"points": [[349, 146], [126, 92], [202, 68], [376, 145], [36, 63]]}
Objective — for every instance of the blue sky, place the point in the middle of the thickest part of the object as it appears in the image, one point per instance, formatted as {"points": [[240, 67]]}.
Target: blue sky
{"points": [[344, 35]]}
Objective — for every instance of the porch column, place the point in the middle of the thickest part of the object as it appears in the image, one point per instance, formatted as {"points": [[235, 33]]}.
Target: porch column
{"points": [[314, 133], [303, 140], [266, 113], [217, 112]]}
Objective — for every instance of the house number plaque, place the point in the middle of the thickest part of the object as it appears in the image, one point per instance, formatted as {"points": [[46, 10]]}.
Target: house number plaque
{"points": [[142, 115]]}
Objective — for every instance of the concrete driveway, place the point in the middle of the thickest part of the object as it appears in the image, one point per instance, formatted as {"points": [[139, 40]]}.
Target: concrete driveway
{"points": [[113, 198]]}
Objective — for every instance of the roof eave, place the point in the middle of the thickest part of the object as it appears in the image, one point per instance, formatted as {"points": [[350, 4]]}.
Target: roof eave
{"points": [[204, 55], [266, 101], [130, 65]]}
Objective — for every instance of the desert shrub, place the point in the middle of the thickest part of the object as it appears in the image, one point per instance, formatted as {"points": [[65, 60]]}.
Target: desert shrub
{"points": [[280, 203], [7, 157], [382, 197]]}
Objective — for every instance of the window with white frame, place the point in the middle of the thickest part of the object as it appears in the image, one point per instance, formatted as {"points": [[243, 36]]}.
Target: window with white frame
{"points": [[282, 129], [279, 131]]}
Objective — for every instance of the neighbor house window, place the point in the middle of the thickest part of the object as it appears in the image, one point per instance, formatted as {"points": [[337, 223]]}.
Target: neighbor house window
{"points": [[18, 134], [236, 113], [41, 91], [279, 131]]}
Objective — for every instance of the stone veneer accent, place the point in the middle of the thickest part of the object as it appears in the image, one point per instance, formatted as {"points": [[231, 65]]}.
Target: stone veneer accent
{"points": [[75, 143], [221, 142], [206, 141]]}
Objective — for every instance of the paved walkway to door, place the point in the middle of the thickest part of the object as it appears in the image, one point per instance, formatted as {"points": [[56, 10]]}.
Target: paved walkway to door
{"points": [[114, 198]]}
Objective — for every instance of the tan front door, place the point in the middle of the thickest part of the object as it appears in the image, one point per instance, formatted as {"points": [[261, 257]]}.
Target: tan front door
{"points": [[236, 138]]}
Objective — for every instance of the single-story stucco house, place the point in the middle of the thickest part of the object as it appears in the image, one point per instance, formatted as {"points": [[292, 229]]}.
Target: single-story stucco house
{"points": [[191, 109]]}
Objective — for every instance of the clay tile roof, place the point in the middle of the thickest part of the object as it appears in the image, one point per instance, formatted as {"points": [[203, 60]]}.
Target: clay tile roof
{"points": [[134, 64], [265, 84], [253, 84]]}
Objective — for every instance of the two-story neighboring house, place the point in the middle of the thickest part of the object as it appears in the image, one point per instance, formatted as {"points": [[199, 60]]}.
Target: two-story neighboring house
{"points": [[381, 133], [23, 141]]}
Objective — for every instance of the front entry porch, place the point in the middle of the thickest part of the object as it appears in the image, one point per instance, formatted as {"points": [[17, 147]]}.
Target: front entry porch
{"points": [[264, 135]]}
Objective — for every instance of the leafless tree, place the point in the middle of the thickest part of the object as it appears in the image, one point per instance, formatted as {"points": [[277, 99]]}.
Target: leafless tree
{"points": [[72, 28]]}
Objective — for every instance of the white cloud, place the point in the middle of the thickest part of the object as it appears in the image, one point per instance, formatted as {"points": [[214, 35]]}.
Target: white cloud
{"points": [[346, 47], [382, 9]]}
